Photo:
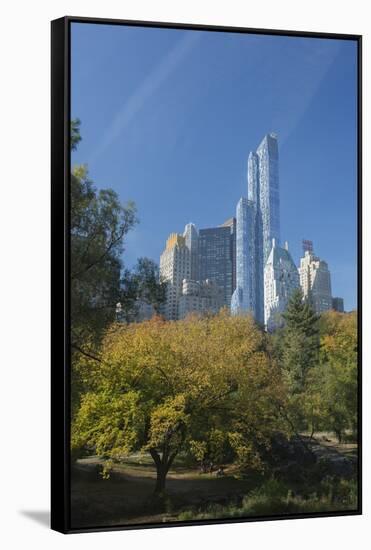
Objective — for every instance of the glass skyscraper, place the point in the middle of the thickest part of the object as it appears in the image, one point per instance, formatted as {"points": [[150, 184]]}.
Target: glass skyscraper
{"points": [[258, 222], [265, 186], [244, 296], [191, 240]]}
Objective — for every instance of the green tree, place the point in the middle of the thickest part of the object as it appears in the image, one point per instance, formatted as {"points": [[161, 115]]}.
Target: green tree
{"points": [[297, 350], [99, 224], [75, 133], [337, 374], [165, 387], [141, 284], [300, 349]]}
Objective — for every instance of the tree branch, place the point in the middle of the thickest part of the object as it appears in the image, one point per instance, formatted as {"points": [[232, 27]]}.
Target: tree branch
{"points": [[86, 353]]}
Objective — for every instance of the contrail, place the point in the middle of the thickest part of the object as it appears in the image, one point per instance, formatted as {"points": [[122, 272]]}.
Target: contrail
{"points": [[149, 86]]}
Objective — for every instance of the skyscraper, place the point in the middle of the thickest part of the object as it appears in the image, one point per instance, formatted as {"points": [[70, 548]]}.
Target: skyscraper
{"points": [[175, 265], [244, 296], [215, 261], [190, 235], [281, 278], [315, 281], [254, 237], [263, 183], [231, 223]]}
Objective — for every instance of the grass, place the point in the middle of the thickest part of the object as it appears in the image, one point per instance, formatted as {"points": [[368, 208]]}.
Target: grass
{"points": [[274, 498], [127, 497]]}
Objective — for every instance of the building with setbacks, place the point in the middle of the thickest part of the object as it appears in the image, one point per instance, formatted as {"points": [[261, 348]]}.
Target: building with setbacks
{"points": [[281, 278], [315, 281], [175, 265]]}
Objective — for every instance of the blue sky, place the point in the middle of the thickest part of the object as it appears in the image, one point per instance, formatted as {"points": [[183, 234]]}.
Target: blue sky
{"points": [[169, 117]]}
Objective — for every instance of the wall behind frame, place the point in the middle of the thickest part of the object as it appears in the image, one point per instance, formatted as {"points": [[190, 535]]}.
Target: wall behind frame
{"points": [[24, 219]]}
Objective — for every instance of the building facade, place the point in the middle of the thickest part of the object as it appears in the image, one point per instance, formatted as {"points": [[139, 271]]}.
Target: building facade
{"points": [[244, 296], [232, 224], [202, 297], [281, 278], [315, 281], [142, 312], [175, 265], [338, 304], [215, 259], [263, 184], [190, 235]]}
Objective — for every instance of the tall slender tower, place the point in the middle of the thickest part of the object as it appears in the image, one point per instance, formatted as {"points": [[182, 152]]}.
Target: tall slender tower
{"points": [[190, 235], [268, 192], [263, 226], [244, 297]]}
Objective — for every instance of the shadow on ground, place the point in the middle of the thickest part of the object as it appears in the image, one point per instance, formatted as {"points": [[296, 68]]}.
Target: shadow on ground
{"points": [[42, 517]]}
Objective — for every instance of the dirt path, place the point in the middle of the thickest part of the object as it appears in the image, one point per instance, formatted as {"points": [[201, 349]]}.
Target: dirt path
{"points": [[129, 491], [127, 497], [342, 457]]}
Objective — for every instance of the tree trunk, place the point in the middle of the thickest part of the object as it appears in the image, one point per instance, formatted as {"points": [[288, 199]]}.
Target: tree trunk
{"points": [[161, 479], [163, 465]]}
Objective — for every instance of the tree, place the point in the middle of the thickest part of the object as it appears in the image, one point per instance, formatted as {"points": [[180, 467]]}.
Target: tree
{"points": [[165, 387], [99, 223], [75, 133], [98, 226], [300, 341], [298, 353], [142, 284], [337, 373]]}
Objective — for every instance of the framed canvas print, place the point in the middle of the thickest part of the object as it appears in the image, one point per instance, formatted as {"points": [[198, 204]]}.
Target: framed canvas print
{"points": [[206, 274]]}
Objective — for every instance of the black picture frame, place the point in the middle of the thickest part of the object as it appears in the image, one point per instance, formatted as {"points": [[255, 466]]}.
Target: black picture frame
{"points": [[60, 266]]}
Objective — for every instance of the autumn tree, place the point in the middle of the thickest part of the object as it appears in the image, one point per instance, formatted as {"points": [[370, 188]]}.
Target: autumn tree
{"points": [[165, 387]]}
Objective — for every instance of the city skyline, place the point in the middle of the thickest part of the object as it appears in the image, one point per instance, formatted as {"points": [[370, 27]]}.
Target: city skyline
{"points": [[196, 171]]}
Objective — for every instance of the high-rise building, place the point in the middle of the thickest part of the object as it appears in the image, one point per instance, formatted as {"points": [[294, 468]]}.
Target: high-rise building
{"points": [[215, 260], [244, 296], [231, 223], [175, 265], [262, 227], [281, 278], [202, 297], [315, 281], [191, 240], [338, 304], [263, 184]]}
